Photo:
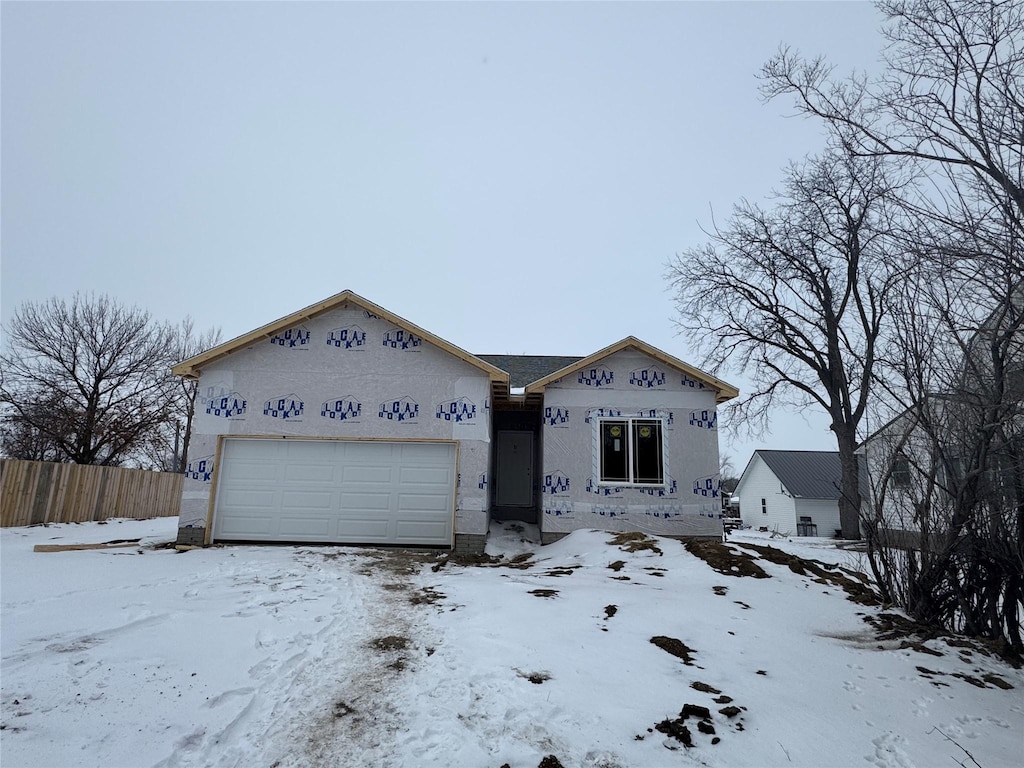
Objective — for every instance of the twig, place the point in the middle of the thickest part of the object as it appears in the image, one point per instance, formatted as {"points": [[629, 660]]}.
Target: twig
{"points": [[786, 751], [954, 741]]}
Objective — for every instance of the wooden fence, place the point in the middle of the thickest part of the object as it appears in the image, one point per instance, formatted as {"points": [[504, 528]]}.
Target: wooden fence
{"points": [[33, 492]]}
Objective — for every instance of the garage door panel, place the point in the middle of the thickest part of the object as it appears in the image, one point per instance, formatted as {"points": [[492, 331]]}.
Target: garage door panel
{"points": [[366, 473], [352, 502], [246, 526], [304, 528], [335, 491], [425, 476], [319, 472], [417, 503], [364, 530], [255, 498], [411, 532], [249, 470], [301, 501]]}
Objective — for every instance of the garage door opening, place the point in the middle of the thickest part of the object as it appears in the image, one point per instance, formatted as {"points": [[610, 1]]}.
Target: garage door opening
{"points": [[335, 491]]}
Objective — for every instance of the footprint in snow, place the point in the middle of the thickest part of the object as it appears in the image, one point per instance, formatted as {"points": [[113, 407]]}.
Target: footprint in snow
{"points": [[889, 752]]}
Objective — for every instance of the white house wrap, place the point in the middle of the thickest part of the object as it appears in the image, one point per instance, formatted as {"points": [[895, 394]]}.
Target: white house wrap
{"points": [[345, 423]]}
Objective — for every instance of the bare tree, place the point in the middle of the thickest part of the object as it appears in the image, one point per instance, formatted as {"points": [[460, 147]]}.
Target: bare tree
{"points": [[946, 469], [952, 93], [796, 297], [20, 439], [168, 448], [90, 377]]}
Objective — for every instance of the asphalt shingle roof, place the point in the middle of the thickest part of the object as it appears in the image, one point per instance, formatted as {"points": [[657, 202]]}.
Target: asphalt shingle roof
{"points": [[525, 369]]}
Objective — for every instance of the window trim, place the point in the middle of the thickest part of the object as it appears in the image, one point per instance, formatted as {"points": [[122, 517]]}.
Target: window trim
{"points": [[599, 452]]}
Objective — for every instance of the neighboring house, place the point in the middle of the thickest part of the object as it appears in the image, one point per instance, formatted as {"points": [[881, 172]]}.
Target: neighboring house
{"points": [[792, 492], [954, 456], [345, 423]]}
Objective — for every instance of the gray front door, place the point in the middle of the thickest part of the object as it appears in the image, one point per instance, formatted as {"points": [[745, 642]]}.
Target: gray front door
{"points": [[514, 481]]}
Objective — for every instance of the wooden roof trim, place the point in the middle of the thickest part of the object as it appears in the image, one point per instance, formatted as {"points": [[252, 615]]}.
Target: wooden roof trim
{"points": [[190, 368], [725, 390]]}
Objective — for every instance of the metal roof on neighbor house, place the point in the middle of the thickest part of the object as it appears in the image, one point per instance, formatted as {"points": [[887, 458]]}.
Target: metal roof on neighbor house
{"points": [[526, 369], [806, 474]]}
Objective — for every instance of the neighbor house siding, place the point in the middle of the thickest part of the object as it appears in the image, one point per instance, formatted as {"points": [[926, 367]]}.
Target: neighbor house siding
{"points": [[346, 373], [629, 383], [759, 482], [824, 513]]}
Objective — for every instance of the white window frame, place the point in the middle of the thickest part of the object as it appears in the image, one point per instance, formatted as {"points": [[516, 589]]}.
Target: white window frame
{"points": [[599, 448]]}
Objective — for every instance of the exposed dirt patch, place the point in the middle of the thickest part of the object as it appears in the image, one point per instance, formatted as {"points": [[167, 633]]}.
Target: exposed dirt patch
{"points": [[655, 571], [610, 610], [720, 591], [397, 561], [563, 571], [617, 565], [854, 584], [912, 635], [702, 719], [634, 541], [534, 677], [703, 687], [390, 643], [427, 596], [920, 648], [724, 559], [343, 709], [621, 578], [521, 562], [997, 681], [544, 592], [676, 647], [986, 680], [550, 761], [742, 605]]}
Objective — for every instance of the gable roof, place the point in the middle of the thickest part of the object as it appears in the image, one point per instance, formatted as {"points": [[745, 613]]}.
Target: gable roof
{"points": [[191, 368], [723, 390], [808, 474], [528, 368]]}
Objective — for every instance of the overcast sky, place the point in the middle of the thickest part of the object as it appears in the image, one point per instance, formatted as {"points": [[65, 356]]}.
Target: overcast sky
{"points": [[511, 177]]}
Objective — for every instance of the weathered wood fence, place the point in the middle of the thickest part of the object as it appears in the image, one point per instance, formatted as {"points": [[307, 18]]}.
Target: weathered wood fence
{"points": [[34, 492]]}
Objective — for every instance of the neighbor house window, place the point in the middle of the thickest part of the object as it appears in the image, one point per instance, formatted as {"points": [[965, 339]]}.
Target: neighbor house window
{"points": [[764, 506], [632, 452], [899, 471]]}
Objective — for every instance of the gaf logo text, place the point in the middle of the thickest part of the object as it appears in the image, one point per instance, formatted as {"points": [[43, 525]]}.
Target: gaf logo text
{"points": [[460, 410], [352, 337], [403, 409], [226, 406], [293, 337], [341, 409], [286, 407]]}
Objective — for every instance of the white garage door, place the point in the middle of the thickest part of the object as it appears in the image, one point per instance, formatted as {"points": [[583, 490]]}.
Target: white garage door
{"points": [[341, 491]]}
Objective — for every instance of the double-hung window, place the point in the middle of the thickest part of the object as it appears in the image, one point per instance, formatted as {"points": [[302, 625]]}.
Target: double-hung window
{"points": [[632, 452]]}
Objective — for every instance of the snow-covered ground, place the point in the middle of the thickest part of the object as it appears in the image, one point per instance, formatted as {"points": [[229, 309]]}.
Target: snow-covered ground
{"points": [[341, 656]]}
